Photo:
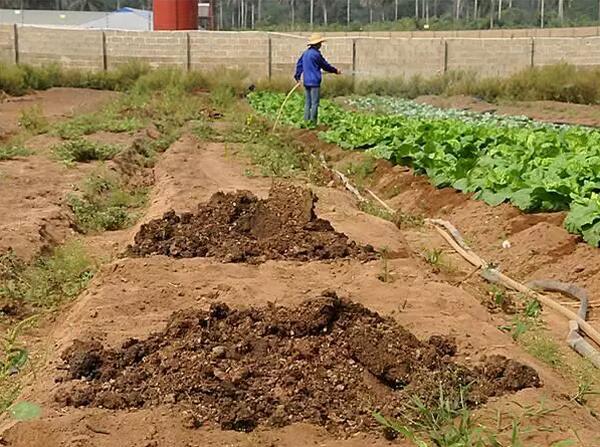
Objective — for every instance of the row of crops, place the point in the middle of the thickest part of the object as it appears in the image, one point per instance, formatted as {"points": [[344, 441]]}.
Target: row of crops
{"points": [[534, 166]]}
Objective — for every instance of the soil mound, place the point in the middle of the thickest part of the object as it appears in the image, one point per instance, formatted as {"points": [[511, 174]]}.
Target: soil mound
{"points": [[329, 361], [239, 227]]}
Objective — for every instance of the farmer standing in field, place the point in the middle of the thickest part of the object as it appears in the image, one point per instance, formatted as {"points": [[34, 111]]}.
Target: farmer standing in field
{"points": [[309, 67]]}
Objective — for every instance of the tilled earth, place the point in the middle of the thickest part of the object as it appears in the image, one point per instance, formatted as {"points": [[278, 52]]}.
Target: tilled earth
{"points": [[328, 361], [239, 227]]}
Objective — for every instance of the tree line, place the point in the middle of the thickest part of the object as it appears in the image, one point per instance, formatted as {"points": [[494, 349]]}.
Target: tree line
{"points": [[365, 14]]}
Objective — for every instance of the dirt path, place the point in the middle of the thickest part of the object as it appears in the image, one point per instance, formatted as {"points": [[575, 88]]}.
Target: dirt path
{"points": [[133, 297], [54, 104]]}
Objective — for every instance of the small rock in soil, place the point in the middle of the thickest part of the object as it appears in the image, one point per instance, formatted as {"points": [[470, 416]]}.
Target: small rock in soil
{"points": [[329, 362]]}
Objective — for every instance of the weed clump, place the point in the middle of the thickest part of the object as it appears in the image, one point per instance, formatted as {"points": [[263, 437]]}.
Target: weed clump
{"points": [[81, 150], [33, 120], [105, 203], [10, 151], [49, 280]]}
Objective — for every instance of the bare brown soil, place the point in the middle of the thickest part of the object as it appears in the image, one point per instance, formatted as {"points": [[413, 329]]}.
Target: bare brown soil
{"points": [[32, 190], [548, 111], [239, 227], [163, 301], [55, 104], [274, 366]]}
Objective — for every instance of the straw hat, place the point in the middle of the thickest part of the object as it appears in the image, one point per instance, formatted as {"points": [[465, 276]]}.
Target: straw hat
{"points": [[315, 39]]}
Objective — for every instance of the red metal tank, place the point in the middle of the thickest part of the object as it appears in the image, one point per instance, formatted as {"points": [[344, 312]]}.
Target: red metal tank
{"points": [[175, 14]]}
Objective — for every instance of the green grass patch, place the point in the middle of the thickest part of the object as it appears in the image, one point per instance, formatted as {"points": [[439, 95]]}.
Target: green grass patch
{"points": [[49, 280], [106, 203], [10, 151], [542, 346], [376, 210], [202, 130], [33, 120], [361, 171], [81, 150], [450, 423], [109, 120], [273, 158]]}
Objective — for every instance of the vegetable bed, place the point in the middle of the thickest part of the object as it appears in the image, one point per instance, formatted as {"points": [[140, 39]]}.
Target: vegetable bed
{"points": [[536, 167]]}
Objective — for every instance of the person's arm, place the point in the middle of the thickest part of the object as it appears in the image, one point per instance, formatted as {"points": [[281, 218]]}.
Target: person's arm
{"points": [[299, 70], [326, 65]]}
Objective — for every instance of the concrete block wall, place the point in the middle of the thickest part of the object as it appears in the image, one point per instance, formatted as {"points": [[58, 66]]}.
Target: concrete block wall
{"points": [[489, 57], [157, 49], [68, 47], [246, 51], [274, 54], [7, 44], [399, 57], [583, 52]]}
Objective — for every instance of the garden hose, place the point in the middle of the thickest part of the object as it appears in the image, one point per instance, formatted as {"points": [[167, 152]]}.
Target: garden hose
{"points": [[284, 102]]}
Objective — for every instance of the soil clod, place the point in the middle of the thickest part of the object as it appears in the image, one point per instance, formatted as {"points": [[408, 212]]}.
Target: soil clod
{"points": [[328, 361], [239, 227]]}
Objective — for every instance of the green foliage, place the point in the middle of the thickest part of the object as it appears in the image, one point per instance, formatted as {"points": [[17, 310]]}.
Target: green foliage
{"points": [[49, 280], [534, 166], [584, 390], [14, 357], [109, 120], [25, 411], [82, 150], [433, 257], [33, 120], [376, 210], [203, 130], [543, 347], [448, 424], [19, 79], [105, 203], [273, 162], [363, 170], [10, 151]]}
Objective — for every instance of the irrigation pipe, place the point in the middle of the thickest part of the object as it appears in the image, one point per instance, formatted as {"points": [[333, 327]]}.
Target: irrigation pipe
{"points": [[574, 339], [576, 320], [284, 103]]}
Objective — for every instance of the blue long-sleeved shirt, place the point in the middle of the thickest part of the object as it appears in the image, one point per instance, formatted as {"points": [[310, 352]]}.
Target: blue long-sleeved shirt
{"points": [[310, 65]]}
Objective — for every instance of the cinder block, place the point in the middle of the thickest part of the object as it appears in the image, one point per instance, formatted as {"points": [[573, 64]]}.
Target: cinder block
{"points": [[157, 49], [71, 48], [399, 57], [489, 56], [247, 51], [579, 51]]}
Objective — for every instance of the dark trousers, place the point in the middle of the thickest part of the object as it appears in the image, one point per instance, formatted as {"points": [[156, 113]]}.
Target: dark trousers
{"points": [[311, 107]]}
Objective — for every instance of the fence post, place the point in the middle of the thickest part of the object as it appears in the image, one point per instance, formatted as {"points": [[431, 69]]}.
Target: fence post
{"points": [[532, 52], [104, 55], [188, 51], [270, 57], [445, 62], [16, 43], [353, 62]]}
